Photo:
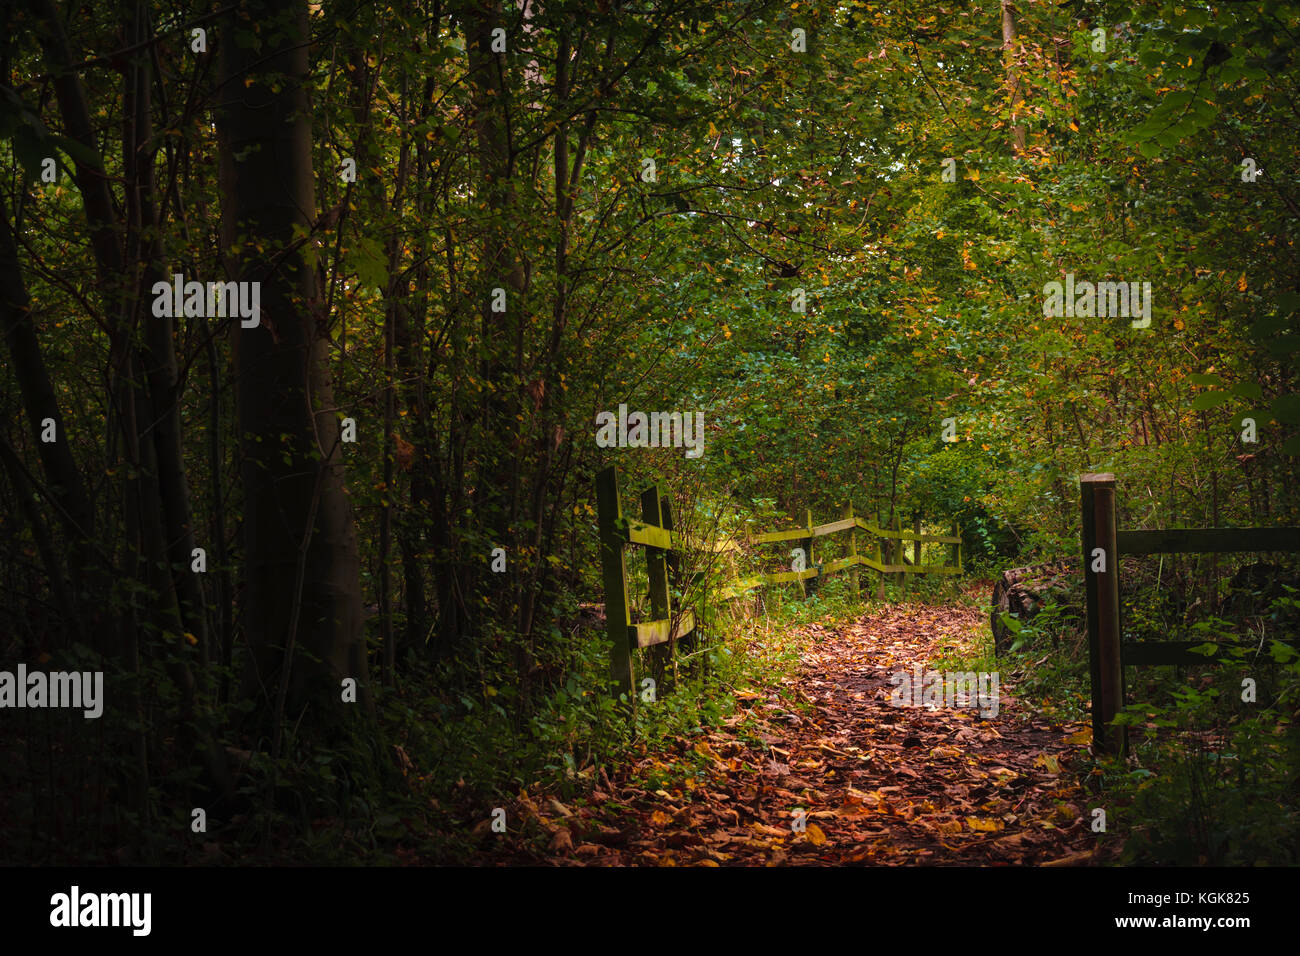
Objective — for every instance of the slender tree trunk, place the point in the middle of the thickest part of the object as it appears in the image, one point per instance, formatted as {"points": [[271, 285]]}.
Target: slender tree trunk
{"points": [[217, 526], [31, 511], [158, 353], [498, 443], [1013, 81], [66, 488]]}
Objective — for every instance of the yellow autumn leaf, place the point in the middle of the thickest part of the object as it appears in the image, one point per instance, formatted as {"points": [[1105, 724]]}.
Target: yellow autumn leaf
{"points": [[1002, 776], [1241, 284], [815, 835], [659, 818], [1082, 737], [704, 750], [983, 826]]}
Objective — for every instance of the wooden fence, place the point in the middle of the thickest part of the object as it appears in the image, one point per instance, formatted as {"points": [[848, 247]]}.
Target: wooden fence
{"points": [[1103, 544], [665, 547]]}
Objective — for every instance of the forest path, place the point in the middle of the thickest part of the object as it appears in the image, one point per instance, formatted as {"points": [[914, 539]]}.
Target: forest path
{"points": [[878, 783]]}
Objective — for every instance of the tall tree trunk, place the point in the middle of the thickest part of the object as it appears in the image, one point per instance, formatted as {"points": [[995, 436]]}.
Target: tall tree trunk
{"points": [[302, 594], [380, 214], [1013, 81], [497, 439], [160, 490], [158, 353]]}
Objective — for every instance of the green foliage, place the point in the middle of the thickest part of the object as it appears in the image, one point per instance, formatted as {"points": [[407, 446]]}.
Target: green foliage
{"points": [[779, 173], [1217, 752]]}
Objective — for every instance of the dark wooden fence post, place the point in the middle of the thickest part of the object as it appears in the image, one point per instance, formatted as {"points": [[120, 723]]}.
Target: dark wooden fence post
{"points": [[916, 545], [674, 562], [656, 560], [896, 553], [882, 557], [810, 585], [1097, 492], [853, 551], [618, 620]]}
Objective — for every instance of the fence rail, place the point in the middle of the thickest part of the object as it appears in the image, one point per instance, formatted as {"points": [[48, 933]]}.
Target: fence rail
{"points": [[1103, 543], [665, 547]]}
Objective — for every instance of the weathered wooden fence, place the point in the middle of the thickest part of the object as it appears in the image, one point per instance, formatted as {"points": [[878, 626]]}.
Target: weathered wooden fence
{"points": [[1103, 543], [665, 548]]}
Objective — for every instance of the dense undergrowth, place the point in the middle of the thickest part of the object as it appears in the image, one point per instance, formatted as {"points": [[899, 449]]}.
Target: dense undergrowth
{"points": [[1212, 774]]}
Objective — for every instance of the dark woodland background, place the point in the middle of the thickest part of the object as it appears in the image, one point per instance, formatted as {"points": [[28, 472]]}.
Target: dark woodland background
{"points": [[224, 156]]}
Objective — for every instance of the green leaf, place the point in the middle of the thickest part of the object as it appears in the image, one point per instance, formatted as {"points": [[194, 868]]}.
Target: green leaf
{"points": [[1197, 378], [1283, 346], [1207, 400], [1286, 408], [367, 260], [1281, 652], [29, 151], [78, 152], [1239, 419]]}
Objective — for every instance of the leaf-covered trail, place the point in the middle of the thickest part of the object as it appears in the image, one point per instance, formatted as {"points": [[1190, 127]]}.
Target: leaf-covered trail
{"points": [[879, 784]]}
